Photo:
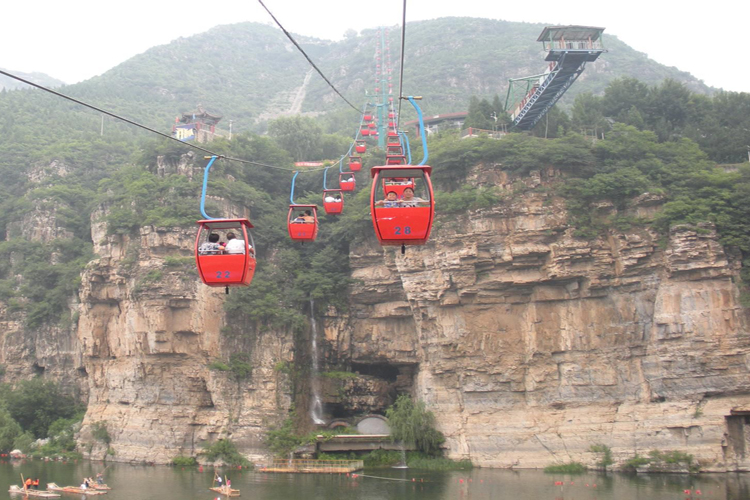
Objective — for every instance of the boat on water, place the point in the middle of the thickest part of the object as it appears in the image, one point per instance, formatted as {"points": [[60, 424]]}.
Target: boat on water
{"points": [[97, 486], [74, 489], [17, 490], [226, 490]]}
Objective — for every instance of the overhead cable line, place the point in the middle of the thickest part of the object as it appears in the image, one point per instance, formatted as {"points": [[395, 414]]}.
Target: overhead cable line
{"points": [[401, 71], [289, 36], [144, 127]]}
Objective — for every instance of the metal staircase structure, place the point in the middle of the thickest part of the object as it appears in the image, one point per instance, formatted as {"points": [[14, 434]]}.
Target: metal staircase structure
{"points": [[569, 49]]}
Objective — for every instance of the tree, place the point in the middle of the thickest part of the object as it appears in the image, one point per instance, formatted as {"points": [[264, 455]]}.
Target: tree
{"points": [[9, 430], [412, 424], [480, 114], [668, 108], [624, 94], [587, 114], [299, 135], [35, 404]]}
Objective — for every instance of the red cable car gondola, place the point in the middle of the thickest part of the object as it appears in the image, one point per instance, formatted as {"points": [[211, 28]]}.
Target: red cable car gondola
{"points": [[372, 125], [365, 132], [355, 163], [347, 182], [394, 149], [368, 118], [302, 222], [361, 146], [395, 160], [225, 269], [333, 201], [404, 221]]}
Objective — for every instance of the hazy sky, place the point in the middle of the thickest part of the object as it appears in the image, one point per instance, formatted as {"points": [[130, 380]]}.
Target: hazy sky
{"points": [[76, 39]]}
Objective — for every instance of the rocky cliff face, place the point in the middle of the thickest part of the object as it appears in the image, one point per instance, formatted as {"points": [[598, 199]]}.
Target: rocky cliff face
{"points": [[528, 344], [531, 345]]}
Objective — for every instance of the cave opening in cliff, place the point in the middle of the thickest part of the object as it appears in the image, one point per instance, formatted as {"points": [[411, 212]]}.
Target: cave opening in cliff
{"points": [[400, 374], [38, 369]]}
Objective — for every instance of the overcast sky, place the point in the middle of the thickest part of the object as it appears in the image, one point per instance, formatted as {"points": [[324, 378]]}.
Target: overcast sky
{"points": [[76, 39]]}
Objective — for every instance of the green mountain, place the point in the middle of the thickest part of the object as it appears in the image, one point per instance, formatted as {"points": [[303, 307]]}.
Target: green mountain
{"points": [[250, 72], [7, 83]]}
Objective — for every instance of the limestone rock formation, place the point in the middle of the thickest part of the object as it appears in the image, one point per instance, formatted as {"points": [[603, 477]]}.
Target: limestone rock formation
{"points": [[529, 344]]}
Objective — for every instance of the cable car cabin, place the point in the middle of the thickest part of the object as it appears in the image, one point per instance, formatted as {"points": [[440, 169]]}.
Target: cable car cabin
{"points": [[368, 118], [391, 115], [302, 222], [404, 221], [372, 124], [333, 201], [347, 182], [361, 146], [225, 268], [355, 163], [394, 149], [397, 185], [391, 124], [395, 160]]}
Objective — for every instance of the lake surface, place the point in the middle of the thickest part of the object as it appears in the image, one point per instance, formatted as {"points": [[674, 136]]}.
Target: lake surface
{"points": [[133, 482]]}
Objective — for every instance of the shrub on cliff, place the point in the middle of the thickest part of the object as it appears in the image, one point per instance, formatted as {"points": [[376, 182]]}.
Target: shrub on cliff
{"points": [[226, 451]]}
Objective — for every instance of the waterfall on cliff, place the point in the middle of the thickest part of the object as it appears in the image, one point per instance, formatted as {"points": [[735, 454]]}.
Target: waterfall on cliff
{"points": [[316, 408]]}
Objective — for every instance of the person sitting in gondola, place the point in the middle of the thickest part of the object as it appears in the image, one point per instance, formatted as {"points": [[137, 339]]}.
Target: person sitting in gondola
{"points": [[212, 246], [234, 245], [391, 200], [409, 200], [305, 218]]}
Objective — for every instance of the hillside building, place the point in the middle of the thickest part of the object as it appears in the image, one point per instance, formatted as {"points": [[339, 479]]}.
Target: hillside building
{"points": [[198, 126]]}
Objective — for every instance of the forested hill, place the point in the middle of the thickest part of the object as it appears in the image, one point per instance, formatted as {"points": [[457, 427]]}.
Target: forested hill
{"points": [[7, 83], [249, 71]]}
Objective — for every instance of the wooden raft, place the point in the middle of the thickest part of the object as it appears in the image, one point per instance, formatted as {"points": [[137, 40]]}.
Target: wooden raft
{"points": [[226, 490], [16, 490], [74, 489]]}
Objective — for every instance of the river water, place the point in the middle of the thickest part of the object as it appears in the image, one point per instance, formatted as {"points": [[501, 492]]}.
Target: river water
{"points": [[132, 482]]}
